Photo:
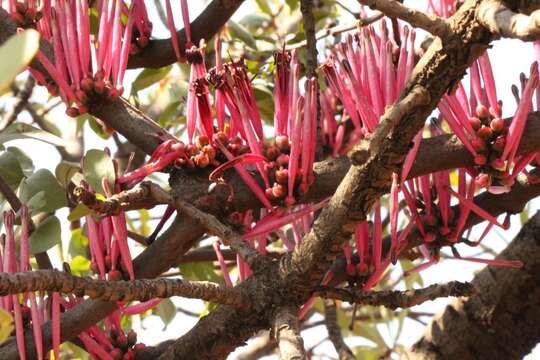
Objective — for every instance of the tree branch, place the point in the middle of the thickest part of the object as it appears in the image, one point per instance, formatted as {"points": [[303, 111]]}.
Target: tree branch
{"points": [[429, 22], [394, 299], [141, 290], [504, 22], [144, 196], [159, 53], [499, 320], [287, 333]]}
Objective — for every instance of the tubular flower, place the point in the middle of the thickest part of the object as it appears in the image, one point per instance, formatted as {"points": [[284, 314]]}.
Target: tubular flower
{"points": [[477, 122], [86, 66], [28, 309]]}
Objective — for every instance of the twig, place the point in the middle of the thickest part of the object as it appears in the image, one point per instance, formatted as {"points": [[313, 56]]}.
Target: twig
{"points": [[22, 99], [9, 194], [256, 261], [143, 196], [142, 290], [397, 299], [287, 332], [429, 22], [340, 29], [334, 331], [504, 22], [306, 7]]}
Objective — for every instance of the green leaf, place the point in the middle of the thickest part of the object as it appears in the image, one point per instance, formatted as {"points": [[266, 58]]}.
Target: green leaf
{"points": [[27, 166], [208, 308], [255, 21], [412, 279], [10, 169], [18, 131], [45, 236], [169, 114], [78, 245], [16, 54], [79, 265], [201, 271], [265, 101], [368, 352], [263, 5], [149, 77], [97, 128], [239, 32], [293, 4], [36, 202], [6, 325], [43, 180], [66, 171], [166, 311], [79, 211], [96, 166]]}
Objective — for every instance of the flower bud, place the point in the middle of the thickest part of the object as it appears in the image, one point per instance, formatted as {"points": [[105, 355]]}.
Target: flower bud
{"points": [[497, 124], [201, 160], [279, 191], [482, 112], [72, 111], [478, 144], [282, 142], [475, 123], [116, 354], [498, 164], [480, 159], [483, 180], [283, 160], [202, 140], [131, 338], [282, 176], [209, 151], [484, 132], [272, 152]]}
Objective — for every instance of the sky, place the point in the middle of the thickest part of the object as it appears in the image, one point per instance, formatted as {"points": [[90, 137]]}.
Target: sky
{"points": [[508, 57]]}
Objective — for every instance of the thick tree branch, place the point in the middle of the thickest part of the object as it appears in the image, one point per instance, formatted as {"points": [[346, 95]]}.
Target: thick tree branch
{"points": [[394, 299], [429, 22], [504, 22], [141, 290], [287, 332], [499, 320], [160, 53]]}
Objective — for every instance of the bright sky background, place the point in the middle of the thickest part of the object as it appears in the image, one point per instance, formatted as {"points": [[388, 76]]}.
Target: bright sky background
{"points": [[509, 58]]}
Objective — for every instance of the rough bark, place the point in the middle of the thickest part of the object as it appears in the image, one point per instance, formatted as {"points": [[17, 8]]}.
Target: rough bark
{"points": [[501, 320]]}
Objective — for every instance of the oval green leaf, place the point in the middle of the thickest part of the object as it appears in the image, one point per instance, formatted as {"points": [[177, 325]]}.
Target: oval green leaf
{"points": [[16, 54]]}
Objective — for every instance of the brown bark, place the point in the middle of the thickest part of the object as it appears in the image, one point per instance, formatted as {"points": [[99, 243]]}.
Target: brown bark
{"points": [[500, 321]]}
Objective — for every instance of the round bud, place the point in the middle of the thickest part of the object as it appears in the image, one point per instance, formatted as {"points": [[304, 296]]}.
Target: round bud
{"points": [[269, 193], [72, 111], [282, 142], [483, 180], [475, 123], [351, 269], [498, 164], [131, 338], [499, 143], [429, 237], [202, 140], [362, 268], [282, 176], [116, 354], [478, 144], [482, 112], [201, 160], [480, 159], [278, 191], [283, 160], [272, 152], [139, 347], [497, 124], [484, 132], [87, 84], [221, 137], [209, 151]]}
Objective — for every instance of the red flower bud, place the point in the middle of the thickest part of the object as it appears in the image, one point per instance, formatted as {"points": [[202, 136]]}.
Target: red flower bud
{"points": [[272, 152], [497, 124], [498, 164], [210, 151], [482, 112], [282, 176], [201, 160], [202, 140], [484, 132], [278, 191], [480, 159], [282, 142], [475, 122], [283, 160], [483, 180]]}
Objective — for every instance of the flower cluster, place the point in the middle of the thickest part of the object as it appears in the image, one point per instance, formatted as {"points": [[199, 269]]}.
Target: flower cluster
{"points": [[30, 310], [86, 66]]}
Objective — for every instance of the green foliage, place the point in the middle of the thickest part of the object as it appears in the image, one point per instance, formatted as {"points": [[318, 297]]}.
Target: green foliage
{"points": [[97, 165], [239, 32], [16, 54], [19, 130], [166, 310], [47, 234], [43, 181], [148, 77], [6, 325]]}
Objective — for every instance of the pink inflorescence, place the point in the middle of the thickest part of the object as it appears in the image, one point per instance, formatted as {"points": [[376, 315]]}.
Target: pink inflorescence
{"points": [[86, 66]]}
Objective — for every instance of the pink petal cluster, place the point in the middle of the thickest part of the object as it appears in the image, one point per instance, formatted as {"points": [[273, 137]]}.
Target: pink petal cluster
{"points": [[476, 121], [88, 66], [28, 309]]}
